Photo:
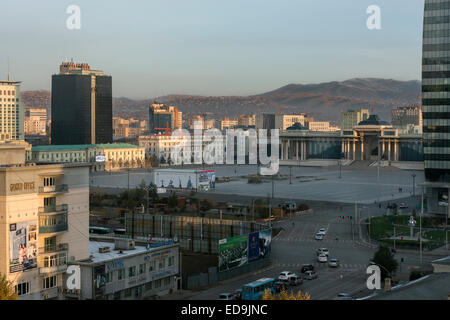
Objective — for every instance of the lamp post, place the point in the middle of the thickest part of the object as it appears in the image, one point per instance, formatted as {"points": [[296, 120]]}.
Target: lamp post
{"points": [[414, 184], [290, 174]]}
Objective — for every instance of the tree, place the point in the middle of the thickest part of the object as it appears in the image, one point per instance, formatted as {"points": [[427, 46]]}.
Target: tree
{"points": [[284, 295], [7, 291], [172, 200], [384, 258]]}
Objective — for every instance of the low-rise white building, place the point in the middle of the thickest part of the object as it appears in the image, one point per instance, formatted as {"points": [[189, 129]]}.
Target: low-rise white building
{"points": [[120, 270]]}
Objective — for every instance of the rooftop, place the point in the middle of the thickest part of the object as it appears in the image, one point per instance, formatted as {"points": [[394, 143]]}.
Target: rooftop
{"points": [[84, 146], [373, 120]]}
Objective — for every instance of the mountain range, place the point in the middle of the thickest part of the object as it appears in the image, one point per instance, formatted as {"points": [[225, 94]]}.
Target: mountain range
{"points": [[324, 101]]}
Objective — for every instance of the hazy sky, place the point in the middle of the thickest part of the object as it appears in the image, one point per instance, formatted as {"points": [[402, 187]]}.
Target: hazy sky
{"points": [[209, 47]]}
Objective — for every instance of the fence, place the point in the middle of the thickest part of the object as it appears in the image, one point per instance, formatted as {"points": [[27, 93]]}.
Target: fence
{"points": [[213, 276]]}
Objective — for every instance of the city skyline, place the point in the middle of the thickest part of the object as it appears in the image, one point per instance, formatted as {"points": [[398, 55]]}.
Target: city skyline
{"points": [[215, 48]]}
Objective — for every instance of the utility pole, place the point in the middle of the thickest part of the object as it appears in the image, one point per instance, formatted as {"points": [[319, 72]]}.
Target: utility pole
{"points": [[414, 184], [420, 232], [290, 174]]}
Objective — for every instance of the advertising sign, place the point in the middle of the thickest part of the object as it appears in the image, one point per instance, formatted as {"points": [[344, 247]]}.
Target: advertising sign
{"points": [[240, 250], [265, 240], [22, 246], [233, 252], [175, 179], [100, 158], [253, 247], [206, 180]]}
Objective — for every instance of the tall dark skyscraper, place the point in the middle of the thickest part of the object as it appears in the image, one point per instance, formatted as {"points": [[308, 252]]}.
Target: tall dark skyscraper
{"points": [[81, 106], [436, 90]]}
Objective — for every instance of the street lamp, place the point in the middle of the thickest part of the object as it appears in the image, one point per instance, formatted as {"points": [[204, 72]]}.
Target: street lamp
{"points": [[414, 184]]}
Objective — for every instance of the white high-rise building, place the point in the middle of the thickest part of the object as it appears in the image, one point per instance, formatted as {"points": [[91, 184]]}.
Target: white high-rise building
{"points": [[11, 111]]}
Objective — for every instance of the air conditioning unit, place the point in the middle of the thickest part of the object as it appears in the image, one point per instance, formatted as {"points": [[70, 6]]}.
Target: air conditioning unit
{"points": [[104, 250], [124, 244]]}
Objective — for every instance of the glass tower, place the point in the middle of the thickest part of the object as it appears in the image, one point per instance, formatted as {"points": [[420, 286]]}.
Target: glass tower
{"points": [[436, 90]]}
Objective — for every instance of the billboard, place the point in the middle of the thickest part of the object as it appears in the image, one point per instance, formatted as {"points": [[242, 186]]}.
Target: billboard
{"points": [[184, 179], [233, 252], [239, 250], [206, 180], [100, 158], [22, 246]]}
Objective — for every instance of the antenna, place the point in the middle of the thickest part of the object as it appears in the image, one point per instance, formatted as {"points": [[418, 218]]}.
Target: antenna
{"points": [[8, 69]]}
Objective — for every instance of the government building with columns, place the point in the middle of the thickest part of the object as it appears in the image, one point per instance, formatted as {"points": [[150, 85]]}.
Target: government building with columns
{"points": [[362, 143]]}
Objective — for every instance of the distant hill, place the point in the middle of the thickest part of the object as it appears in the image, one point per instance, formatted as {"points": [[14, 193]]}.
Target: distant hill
{"points": [[325, 101]]}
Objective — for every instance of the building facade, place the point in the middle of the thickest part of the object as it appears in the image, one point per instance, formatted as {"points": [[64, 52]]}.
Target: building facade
{"points": [[351, 118], [44, 221], [101, 157], [121, 270], [162, 116], [35, 121], [11, 111], [81, 106]]}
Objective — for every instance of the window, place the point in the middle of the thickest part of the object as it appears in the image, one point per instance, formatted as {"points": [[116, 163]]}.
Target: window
{"points": [[131, 272], [117, 295], [148, 286], [120, 274], [167, 281], [49, 282], [158, 283], [142, 268], [22, 288], [152, 266], [161, 264], [128, 292], [170, 262], [109, 277], [49, 181]]}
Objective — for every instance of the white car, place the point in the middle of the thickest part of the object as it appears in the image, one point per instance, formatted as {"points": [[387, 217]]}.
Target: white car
{"points": [[323, 250], [227, 296], [323, 231], [318, 236], [322, 258], [285, 275], [333, 263]]}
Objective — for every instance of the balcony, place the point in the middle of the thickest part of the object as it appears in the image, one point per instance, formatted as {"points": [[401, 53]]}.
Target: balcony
{"points": [[53, 219], [53, 263], [54, 248], [60, 208], [60, 188]]}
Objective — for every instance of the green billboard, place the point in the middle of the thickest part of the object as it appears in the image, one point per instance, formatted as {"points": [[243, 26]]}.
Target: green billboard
{"points": [[233, 252]]}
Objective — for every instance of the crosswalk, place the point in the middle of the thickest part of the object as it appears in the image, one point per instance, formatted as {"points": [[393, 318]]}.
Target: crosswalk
{"points": [[317, 265]]}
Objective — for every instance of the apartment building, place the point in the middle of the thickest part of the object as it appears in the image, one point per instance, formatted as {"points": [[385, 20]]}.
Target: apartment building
{"points": [[11, 111], [44, 221], [35, 121]]}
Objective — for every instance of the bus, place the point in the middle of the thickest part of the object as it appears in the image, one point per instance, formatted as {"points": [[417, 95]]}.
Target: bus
{"points": [[255, 290], [99, 230]]}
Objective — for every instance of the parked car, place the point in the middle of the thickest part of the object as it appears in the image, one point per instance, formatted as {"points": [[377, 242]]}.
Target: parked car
{"points": [[227, 296], [307, 267], [238, 294], [344, 296], [403, 206], [323, 231], [323, 250], [284, 275], [322, 258], [310, 275], [294, 280], [280, 285], [319, 236], [333, 263]]}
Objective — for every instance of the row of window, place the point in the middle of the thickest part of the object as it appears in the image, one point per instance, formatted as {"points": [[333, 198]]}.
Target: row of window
{"points": [[436, 5], [135, 291], [153, 266], [25, 287], [7, 92]]}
